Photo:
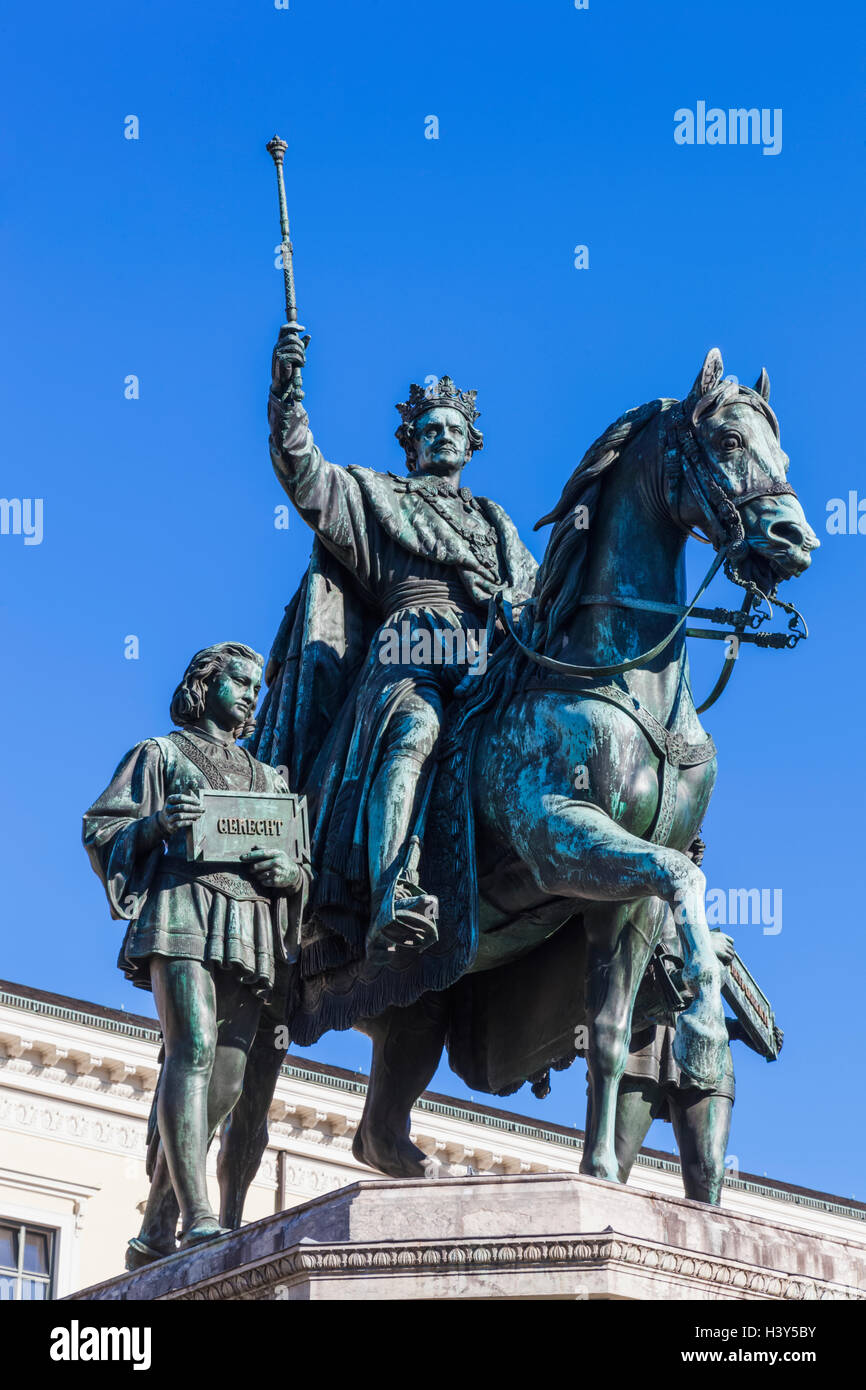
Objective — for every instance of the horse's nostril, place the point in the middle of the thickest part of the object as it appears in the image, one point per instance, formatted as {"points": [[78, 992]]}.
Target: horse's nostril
{"points": [[791, 533]]}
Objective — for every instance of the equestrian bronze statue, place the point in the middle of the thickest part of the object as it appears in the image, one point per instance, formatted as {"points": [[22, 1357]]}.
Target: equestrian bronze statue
{"points": [[505, 773], [499, 874], [573, 775]]}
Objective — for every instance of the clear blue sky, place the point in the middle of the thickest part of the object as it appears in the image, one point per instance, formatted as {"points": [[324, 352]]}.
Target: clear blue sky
{"points": [[415, 256]]}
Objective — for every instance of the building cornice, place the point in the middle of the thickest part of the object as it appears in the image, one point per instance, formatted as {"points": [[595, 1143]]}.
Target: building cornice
{"points": [[440, 1260]]}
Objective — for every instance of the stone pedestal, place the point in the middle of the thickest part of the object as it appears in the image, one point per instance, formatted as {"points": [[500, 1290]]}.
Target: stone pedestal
{"points": [[549, 1236]]}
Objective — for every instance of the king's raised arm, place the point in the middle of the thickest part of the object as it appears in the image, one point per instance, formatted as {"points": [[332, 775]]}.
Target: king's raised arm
{"points": [[326, 496]]}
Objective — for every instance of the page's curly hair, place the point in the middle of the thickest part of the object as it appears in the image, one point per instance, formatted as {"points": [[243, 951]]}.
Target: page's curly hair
{"points": [[187, 702]]}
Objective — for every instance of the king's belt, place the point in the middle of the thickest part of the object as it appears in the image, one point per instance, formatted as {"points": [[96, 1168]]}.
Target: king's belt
{"points": [[425, 593], [215, 876]]}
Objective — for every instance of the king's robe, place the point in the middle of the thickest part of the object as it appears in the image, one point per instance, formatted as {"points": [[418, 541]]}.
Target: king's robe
{"points": [[416, 555]]}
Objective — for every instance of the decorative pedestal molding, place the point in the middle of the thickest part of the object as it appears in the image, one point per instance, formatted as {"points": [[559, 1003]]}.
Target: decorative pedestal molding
{"points": [[549, 1236]]}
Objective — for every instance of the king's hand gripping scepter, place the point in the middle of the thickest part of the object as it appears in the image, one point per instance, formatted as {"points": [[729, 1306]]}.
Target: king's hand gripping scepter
{"points": [[276, 148]]}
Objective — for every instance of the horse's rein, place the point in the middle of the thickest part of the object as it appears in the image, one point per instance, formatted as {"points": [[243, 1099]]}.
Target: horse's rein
{"points": [[726, 527], [568, 668]]}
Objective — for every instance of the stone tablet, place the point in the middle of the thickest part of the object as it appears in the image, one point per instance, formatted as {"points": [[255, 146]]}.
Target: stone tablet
{"points": [[236, 822], [752, 1008]]}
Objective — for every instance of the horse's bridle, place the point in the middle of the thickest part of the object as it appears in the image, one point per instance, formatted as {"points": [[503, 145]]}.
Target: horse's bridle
{"points": [[685, 459]]}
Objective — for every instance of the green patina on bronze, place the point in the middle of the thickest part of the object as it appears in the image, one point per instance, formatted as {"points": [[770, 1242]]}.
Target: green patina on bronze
{"points": [[505, 853], [536, 901], [549, 900], [213, 938]]}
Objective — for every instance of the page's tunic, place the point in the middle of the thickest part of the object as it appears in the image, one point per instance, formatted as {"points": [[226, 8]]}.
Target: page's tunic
{"points": [[174, 908]]}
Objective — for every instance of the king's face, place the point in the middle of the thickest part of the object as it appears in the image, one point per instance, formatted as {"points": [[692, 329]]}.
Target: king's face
{"points": [[232, 694], [442, 441]]}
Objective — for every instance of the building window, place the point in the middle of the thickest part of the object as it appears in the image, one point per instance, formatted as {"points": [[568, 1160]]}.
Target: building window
{"points": [[26, 1261]]}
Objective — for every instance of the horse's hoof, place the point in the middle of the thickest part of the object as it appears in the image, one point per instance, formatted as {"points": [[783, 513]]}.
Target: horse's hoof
{"points": [[396, 1157], [593, 1169], [139, 1254], [701, 1050]]}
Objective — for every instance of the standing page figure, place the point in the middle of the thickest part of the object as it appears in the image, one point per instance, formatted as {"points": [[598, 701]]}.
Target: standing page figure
{"points": [[213, 941]]}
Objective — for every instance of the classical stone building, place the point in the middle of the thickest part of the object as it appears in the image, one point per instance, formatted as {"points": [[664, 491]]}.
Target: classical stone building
{"points": [[76, 1084]]}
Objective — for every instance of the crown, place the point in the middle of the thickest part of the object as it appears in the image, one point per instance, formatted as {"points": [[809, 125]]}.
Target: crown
{"points": [[440, 391]]}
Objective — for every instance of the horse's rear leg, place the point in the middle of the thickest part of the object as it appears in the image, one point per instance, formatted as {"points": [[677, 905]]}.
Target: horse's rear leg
{"points": [[407, 1046], [576, 850], [620, 940]]}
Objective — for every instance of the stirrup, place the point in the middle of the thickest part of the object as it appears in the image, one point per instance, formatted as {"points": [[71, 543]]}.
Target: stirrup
{"points": [[410, 929]]}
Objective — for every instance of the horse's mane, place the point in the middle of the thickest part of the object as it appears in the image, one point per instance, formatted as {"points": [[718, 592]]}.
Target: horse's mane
{"points": [[560, 576]]}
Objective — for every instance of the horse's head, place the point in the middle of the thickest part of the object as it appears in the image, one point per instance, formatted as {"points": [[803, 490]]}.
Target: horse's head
{"points": [[727, 476]]}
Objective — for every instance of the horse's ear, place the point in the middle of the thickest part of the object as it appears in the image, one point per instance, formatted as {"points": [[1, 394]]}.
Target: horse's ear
{"points": [[762, 385], [710, 374]]}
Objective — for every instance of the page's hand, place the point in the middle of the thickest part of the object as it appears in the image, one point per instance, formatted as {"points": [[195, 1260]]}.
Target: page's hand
{"points": [[273, 868], [179, 811], [723, 946]]}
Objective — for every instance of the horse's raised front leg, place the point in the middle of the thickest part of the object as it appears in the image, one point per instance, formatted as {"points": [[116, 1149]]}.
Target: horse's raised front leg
{"points": [[576, 850]]}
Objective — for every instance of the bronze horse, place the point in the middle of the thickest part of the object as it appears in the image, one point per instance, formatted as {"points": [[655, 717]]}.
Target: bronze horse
{"points": [[591, 776], [592, 772]]}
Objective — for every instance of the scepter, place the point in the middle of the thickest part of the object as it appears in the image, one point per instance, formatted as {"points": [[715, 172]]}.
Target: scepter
{"points": [[276, 148]]}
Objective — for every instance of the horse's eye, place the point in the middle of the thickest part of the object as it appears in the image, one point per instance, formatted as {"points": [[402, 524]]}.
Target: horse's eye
{"points": [[731, 440]]}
